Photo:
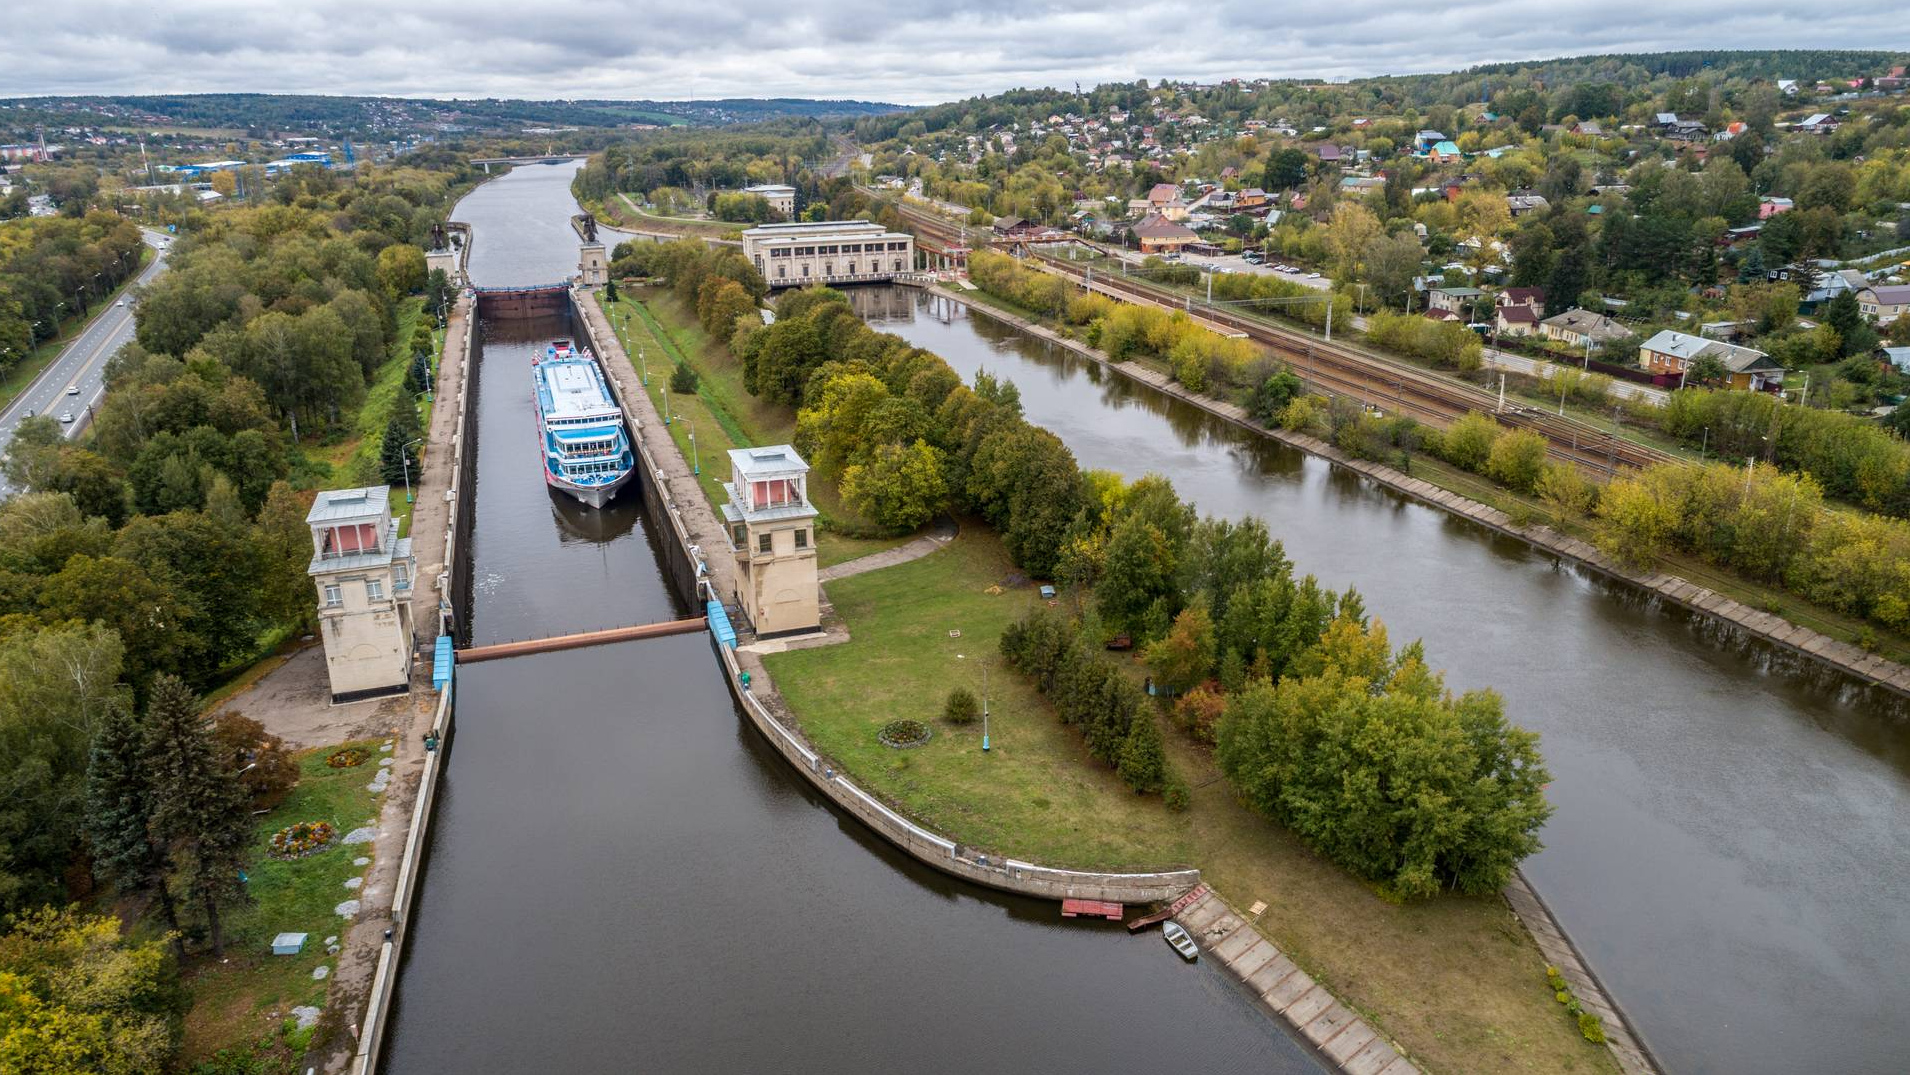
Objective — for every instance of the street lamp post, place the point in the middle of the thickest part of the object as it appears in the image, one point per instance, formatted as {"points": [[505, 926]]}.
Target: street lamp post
{"points": [[404, 458], [646, 367], [696, 462]]}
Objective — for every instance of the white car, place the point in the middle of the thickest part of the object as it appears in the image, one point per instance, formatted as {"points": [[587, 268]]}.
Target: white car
{"points": [[66, 418], [72, 390], [1313, 276], [121, 302]]}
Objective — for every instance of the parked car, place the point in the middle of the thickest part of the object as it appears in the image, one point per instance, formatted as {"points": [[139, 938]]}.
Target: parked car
{"points": [[1313, 276]]}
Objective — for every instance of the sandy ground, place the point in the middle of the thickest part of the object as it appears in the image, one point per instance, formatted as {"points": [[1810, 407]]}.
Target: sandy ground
{"points": [[293, 701]]}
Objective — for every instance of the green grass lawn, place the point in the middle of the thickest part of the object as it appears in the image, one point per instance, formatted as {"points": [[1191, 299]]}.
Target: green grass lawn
{"points": [[1457, 981], [232, 1001], [723, 414]]}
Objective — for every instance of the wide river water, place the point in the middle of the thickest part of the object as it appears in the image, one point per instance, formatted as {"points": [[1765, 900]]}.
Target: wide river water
{"points": [[1729, 846], [621, 876]]}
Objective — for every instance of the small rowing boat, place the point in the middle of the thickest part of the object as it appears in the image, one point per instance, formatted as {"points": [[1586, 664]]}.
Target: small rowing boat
{"points": [[1182, 943]]}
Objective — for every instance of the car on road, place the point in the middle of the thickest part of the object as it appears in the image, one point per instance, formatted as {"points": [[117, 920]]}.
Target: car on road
{"points": [[1313, 276], [66, 418], [72, 390], [121, 302]]}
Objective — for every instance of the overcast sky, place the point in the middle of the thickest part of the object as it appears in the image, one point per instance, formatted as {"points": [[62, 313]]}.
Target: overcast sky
{"points": [[906, 51]]}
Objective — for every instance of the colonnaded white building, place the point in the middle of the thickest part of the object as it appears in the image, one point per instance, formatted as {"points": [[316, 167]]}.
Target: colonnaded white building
{"points": [[828, 252]]}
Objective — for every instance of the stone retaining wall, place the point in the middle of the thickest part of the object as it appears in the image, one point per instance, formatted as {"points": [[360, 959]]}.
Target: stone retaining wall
{"points": [[1842, 656]]}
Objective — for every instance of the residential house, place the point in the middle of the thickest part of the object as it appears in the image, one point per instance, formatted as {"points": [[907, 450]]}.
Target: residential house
{"points": [[1328, 153], [1577, 327], [1768, 207], [1588, 128], [1163, 194], [1250, 198], [1444, 153], [1895, 80], [1671, 354], [1525, 202], [1425, 140], [1883, 304], [1515, 321], [1818, 123], [1158, 235], [1532, 298], [1456, 301], [1896, 356]]}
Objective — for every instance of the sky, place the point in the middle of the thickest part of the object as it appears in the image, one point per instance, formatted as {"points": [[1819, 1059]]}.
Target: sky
{"points": [[901, 51]]}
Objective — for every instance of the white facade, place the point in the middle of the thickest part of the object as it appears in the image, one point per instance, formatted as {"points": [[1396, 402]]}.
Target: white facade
{"points": [[780, 198], [830, 252], [364, 574]]}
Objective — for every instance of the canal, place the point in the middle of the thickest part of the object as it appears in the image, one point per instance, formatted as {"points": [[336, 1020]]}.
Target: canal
{"points": [[1728, 846], [621, 876]]}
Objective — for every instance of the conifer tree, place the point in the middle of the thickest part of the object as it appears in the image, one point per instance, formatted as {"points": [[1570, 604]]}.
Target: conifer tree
{"points": [[119, 812], [202, 809], [1143, 761]]}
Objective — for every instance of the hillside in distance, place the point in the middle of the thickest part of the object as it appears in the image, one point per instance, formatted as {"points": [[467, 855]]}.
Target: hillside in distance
{"points": [[366, 116]]}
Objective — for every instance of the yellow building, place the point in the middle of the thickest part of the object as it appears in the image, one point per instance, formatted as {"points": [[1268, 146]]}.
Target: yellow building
{"points": [[773, 532], [363, 571]]}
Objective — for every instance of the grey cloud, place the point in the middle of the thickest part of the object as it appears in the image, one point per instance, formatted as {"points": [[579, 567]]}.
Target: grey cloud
{"points": [[910, 51]]}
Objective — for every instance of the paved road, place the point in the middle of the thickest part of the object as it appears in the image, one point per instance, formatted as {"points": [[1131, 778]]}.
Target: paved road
{"points": [[81, 365]]}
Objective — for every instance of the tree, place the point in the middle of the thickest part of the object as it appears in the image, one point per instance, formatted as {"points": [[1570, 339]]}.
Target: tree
{"points": [[899, 488], [1391, 264], [266, 769], [57, 685], [1517, 459], [962, 707], [1706, 369], [1185, 655], [1286, 169], [203, 810], [1347, 233], [285, 549], [1367, 757], [401, 270], [77, 998], [683, 379], [120, 808], [1143, 764], [395, 459], [1272, 397]]}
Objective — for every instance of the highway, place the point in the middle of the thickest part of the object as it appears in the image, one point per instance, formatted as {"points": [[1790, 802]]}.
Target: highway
{"points": [[81, 365]]}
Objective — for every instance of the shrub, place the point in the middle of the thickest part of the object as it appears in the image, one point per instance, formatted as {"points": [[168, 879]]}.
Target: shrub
{"points": [[1468, 442], [1592, 1027], [1143, 761], [962, 707], [1177, 798], [683, 379], [243, 742], [903, 733], [1517, 460], [1198, 712]]}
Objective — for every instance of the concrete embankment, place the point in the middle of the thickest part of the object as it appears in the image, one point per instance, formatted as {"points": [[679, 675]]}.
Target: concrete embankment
{"points": [[691, 534], [440, 525], [1834, 653]]}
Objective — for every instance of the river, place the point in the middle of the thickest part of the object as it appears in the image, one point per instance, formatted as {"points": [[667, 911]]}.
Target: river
{"points": [[1728, 846], [621, 876]]}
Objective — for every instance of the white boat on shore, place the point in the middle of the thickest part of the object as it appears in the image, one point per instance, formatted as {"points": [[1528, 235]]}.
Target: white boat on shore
{"points": [[1182, 942]]}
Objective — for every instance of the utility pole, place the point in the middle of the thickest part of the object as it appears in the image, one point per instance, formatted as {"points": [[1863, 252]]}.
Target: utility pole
{"points": [[984, 665]]}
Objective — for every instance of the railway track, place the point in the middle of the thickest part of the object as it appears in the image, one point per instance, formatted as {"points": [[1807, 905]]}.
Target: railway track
{"points": [[1336, 370], [1385, 383]]}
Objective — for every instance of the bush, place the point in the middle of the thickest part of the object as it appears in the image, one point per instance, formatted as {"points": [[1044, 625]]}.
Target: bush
{"points": [[1468, 442], [1517, 460], [1198, 712], [241, 742], [683, 379], [903, 734], [1592, 1027], [962, 707], [1177, 798]]}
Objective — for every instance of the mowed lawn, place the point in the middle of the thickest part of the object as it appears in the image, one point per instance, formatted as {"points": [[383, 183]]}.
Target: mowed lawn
{"points": [[723, 413], [233, 1002], [1456, 981]]}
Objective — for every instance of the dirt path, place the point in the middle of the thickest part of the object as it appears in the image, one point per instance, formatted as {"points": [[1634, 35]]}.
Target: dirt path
{"points": [[943, 532]]}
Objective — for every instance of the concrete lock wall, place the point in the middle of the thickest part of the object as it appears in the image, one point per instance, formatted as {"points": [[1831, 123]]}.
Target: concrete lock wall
{"points": [[681, 559], [464, 449]]}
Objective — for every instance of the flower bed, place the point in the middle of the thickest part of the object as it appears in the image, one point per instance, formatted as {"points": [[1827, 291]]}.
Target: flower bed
{"points": [[903, 734], [348, 757], [302, 839]]}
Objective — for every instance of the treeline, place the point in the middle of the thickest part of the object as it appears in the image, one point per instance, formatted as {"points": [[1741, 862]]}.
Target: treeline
{"points": [[170, 546], [1853, 459], [54, 268], [1770, 526], [1113, 714], [1447, 344], [904, 436], [702, 159]]}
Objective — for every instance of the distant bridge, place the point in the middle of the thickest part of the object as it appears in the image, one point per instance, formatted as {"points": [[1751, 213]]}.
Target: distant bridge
{"points": [[548, 158]]}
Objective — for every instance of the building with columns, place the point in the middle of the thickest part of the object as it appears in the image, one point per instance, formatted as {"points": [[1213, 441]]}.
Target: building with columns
{"points": [[828, 252], [772, 529], [364, 573]]}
